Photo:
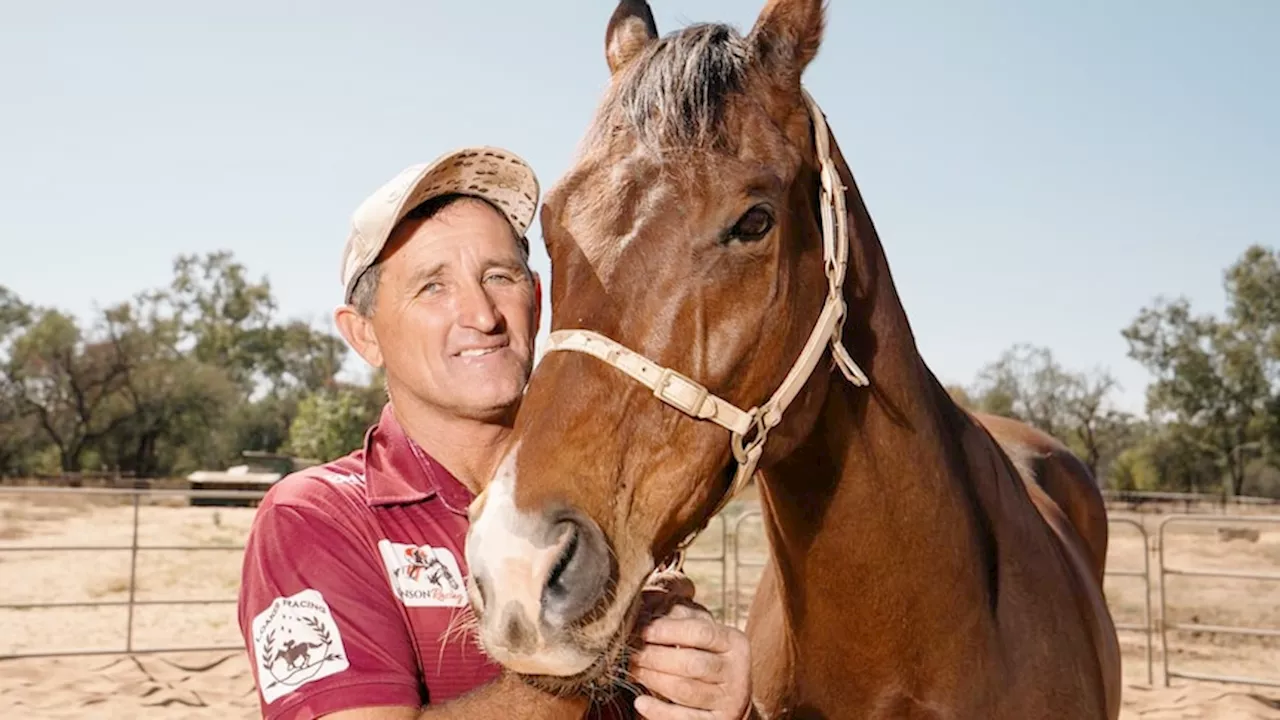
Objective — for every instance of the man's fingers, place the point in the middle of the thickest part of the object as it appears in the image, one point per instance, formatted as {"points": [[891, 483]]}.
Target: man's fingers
{"points": [[699, 632], [687, 662], [671, 582], [684, 611], [651, 708], [693, 694]]}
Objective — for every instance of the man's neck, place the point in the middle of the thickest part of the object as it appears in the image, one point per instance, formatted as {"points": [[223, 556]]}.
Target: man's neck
{"points": [[469, 449]]}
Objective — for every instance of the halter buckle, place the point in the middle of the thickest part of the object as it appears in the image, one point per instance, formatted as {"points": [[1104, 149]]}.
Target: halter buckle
{"points": [[680, 401]]}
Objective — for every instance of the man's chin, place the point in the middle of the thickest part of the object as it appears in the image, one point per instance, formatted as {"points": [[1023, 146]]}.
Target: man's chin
{"points": [[488, 397]]}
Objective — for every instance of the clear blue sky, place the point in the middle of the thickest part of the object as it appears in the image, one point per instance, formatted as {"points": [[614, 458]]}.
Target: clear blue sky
{"points": [[1038, 171]]}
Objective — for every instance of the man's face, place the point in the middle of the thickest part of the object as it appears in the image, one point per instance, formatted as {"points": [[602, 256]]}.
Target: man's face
{"points": [[456, 312]]}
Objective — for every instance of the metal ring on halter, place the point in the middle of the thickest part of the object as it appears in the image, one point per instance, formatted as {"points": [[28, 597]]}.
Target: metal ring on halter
{"points": [[673, 563], [739, 443]]}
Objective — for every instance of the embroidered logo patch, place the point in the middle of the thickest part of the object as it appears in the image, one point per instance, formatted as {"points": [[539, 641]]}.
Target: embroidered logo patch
{"points": [[296, 641], [423, 576]]}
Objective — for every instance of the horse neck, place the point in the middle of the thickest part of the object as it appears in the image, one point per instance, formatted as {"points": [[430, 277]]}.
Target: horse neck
{"points": [[877, 499]]}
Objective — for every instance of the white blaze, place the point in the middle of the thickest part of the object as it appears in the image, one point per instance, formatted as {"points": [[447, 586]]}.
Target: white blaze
{"points": [[501, 544]]}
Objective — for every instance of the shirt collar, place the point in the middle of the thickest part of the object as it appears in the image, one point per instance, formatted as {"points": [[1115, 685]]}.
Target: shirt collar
{"points": [[397, 470]]}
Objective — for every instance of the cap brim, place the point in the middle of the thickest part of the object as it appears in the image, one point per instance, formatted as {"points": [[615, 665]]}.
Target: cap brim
{"points": [[494, 174], [499, 176]]}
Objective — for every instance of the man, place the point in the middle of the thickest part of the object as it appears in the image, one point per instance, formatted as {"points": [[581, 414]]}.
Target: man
{"points": [[353, 602]]}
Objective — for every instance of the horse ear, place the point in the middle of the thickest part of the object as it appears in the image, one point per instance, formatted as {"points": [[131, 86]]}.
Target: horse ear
{"points": [[789, 32], [631, 28]]}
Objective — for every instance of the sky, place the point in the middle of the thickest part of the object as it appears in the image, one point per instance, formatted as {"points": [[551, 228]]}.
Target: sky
{"points": [[1037, 172]]}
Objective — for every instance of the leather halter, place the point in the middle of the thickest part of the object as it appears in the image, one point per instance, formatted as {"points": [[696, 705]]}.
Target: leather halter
{"points": [[749, 429]]}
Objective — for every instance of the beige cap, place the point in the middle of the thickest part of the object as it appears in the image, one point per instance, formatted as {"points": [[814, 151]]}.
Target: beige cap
{"points": [[499, 176]]}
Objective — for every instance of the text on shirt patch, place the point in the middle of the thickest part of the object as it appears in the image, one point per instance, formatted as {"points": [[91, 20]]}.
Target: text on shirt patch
{"points": [[296, 641], [422, 575]]}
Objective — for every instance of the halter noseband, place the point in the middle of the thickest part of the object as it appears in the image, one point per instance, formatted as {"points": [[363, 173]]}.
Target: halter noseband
{"points": [[749, 428]]}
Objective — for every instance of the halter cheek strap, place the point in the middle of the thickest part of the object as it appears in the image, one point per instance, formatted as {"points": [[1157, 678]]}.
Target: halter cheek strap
{"points": [[749, 429]]}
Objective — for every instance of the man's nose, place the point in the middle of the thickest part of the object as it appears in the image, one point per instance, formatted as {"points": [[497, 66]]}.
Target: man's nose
{"points": [[477, 310]]}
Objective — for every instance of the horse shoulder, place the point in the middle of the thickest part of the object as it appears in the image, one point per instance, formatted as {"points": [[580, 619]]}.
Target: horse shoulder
{"points": [[1066, 497], [1043, 462]]}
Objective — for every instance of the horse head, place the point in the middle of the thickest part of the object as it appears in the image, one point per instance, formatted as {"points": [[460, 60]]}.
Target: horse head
{"points": [[698, 250]]}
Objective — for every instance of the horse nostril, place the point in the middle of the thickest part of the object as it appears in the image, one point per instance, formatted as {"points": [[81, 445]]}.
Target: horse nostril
{"points": [[482, 586], [577, 580], [555, 587]]}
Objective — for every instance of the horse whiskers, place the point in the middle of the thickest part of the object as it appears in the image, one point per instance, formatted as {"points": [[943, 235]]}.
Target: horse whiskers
{"points": [[463, 625], [623, 678], [461, 622]]}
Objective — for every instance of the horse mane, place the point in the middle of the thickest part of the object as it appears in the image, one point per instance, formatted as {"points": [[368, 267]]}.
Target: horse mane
{"points": [[676, 91]]}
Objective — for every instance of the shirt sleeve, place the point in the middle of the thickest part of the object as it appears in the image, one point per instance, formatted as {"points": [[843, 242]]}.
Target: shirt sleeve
{"points": [[321, 627]]}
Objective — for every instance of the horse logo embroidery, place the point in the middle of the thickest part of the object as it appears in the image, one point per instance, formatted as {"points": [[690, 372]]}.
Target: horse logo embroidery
{"points": [[422, 575], [296, 641]]}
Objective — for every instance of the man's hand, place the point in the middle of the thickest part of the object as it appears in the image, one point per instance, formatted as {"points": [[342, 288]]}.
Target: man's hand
{"points": [[701, 667]]}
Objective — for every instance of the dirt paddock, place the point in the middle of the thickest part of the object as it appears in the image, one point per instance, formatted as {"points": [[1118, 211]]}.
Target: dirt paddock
{"points": [[218, 684]]}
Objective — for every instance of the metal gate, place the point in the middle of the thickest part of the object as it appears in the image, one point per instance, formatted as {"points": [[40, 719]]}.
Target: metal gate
{"points": [[731, 558], [1145, 576], [1166, 624]]}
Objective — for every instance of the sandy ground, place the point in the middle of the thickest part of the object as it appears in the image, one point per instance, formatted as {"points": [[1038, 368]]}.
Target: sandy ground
{"points": [[208, 684]]}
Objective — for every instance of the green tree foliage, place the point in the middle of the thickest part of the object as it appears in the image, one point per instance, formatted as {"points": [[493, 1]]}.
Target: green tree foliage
{"points": [[1214, 379], [332, 423], [1212, 421], [21, 440], [194, 373], [1026, 382], [179, 377]]}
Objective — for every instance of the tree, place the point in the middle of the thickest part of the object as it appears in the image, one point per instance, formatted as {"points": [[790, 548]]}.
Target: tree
{"points": [[1216, 379], [332, 423], [66, 380], [20, 439], [960, 395], [303, 358], [182, 376], [169, 400], [223, 316], [1028, 383]]}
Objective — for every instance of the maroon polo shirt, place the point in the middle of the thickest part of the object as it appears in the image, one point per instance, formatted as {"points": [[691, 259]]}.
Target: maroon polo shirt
{"points": [[352, 586]]}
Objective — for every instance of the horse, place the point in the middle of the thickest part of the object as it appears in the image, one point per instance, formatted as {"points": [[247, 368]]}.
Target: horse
{"points": [[722, 308]]}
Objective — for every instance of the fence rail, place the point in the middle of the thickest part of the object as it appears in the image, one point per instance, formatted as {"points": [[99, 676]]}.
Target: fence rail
{"points": [[1166, 624], [135, 496], [1189, 502], [730, 556], [1145, 576]]}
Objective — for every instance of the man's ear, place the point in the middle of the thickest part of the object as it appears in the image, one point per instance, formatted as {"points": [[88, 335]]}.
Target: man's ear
{"points": [[357, 330]]}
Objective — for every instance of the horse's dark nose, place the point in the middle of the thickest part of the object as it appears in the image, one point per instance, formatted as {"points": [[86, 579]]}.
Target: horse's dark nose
{"points": [[581, 572]]}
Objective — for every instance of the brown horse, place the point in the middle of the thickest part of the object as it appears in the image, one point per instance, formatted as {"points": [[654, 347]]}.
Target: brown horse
{"points": [[718, 289]]}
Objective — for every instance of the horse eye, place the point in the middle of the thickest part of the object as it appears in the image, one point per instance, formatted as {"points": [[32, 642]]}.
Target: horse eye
{"points": [[753, 225]]}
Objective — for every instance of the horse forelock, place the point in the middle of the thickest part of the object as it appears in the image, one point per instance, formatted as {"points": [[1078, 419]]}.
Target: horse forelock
{"points": [[675, 93], [676, 107]]}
